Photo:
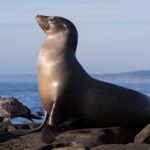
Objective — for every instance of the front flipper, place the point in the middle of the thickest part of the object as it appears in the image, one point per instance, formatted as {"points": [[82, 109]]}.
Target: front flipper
{"points": [[61, 118], [49, 133]]}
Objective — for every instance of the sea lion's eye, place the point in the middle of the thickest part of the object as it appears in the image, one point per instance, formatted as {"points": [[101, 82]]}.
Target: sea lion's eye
{"points": [[51, 19]]}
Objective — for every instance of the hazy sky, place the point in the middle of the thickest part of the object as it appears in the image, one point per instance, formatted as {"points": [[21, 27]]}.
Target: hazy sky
{"points": [[114, 35]]}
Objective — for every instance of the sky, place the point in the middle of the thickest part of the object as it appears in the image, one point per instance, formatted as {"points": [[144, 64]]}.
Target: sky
{"points": [[114, 35]]}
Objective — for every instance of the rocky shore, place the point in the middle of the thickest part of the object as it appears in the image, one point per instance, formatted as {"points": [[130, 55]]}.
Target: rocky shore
{"points": [[115, 138]]}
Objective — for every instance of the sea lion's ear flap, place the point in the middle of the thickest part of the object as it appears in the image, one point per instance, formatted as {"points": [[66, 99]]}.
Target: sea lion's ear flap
{"points": [[66, 27]]}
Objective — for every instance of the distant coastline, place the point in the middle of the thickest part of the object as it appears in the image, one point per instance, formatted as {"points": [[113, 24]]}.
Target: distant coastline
{"points": [[134, 75]]}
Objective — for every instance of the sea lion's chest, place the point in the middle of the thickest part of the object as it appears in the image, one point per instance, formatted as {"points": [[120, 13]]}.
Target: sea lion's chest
{"points": [[51, 78]]}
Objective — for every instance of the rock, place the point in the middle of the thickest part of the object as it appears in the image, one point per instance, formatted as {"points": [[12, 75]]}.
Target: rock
{"points": [[63, 148], [89, 138], [6, 127], [1, 119], [6, 136], [22, 142], [114, 138], [40, 112], [143, 136], [123, 147], [71, 148]]}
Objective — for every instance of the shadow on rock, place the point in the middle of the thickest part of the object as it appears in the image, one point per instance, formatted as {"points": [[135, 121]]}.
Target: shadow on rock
{"points": [[89, 138]]}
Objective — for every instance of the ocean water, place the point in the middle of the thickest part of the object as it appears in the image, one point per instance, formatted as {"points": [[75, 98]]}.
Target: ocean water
{"points": [[24, 88]]}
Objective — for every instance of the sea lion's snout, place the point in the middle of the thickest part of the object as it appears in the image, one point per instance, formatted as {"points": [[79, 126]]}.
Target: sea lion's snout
{"points": [[38, 18], [43, 22]]}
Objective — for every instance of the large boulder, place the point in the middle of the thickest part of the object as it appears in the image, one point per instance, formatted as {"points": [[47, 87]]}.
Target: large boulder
{"points": [[89, 138]]}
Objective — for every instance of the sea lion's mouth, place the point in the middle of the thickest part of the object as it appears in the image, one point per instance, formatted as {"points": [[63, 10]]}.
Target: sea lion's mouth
{"points": [[44, 26]]}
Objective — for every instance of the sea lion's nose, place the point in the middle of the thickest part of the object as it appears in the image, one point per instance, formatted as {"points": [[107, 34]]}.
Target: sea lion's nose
{"points": [[38, 18]]}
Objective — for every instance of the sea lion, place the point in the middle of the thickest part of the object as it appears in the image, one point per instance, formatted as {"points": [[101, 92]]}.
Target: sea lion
{"points": [[71, 97]]}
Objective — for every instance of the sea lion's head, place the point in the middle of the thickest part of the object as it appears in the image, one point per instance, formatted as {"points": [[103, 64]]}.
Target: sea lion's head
{"points": [[54, 26]]}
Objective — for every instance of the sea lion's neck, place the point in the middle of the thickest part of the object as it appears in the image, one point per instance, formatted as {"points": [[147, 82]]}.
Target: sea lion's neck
{"points": [[55, 49]]}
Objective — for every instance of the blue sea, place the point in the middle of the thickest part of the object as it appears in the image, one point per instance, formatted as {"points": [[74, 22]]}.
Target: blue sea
{"points": [[24, 88]]}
